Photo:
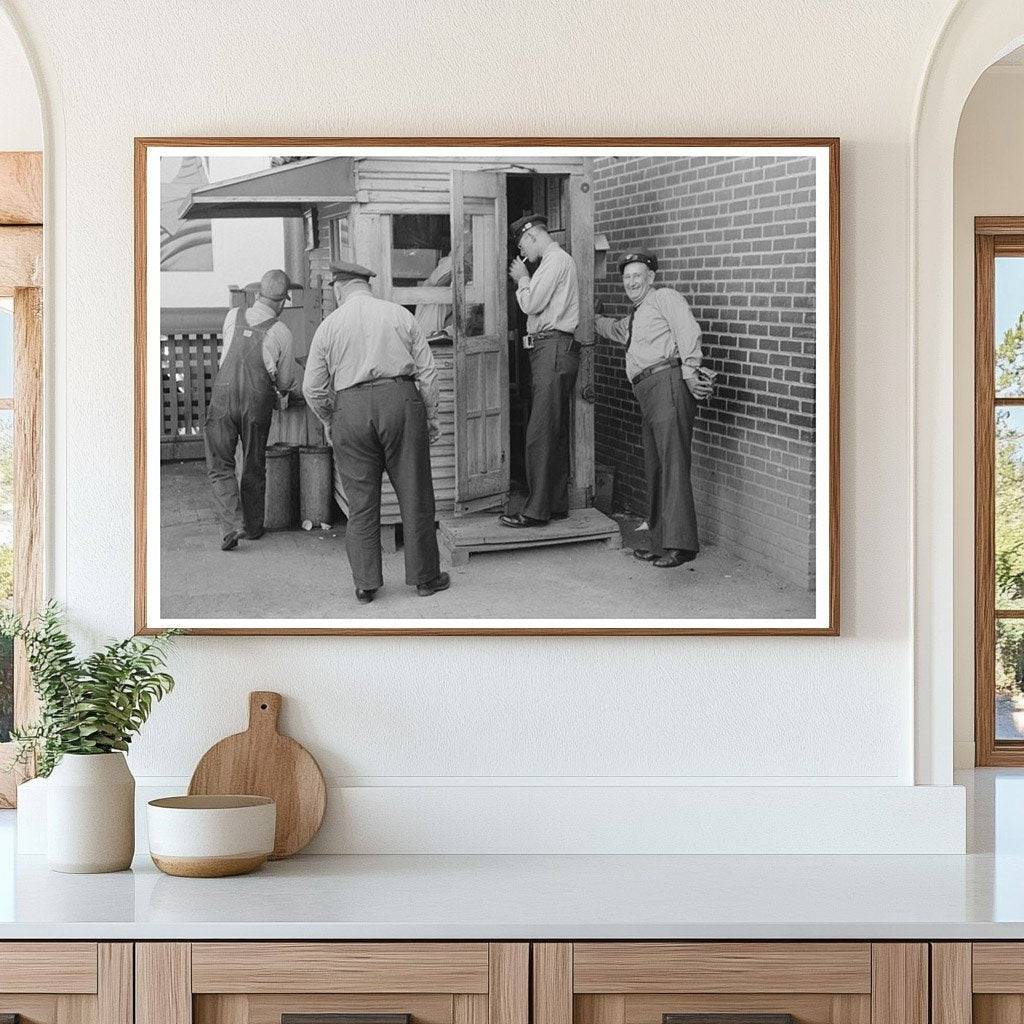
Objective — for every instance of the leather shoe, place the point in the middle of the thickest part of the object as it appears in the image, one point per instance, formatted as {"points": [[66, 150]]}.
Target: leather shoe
{"points": [[518, 521], [365, 596], [644, 554], [674, 557], [230, 541], [255, 534], [559, 515], [442, 582]]}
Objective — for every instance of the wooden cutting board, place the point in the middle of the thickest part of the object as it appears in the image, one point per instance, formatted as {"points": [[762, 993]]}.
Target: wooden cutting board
{"points": [[262, 762]]}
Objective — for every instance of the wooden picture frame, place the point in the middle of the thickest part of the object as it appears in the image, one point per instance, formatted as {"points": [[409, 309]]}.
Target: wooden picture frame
{"points": [[376, 203]]}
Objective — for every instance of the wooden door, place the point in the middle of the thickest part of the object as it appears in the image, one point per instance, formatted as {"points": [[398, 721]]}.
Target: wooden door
{"points": [[738, 982], [66, 982], [977, 982], [364, 982], [481, 340]]}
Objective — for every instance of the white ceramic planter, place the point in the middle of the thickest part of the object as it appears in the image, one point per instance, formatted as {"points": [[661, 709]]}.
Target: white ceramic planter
{"points": [[90, 814]]}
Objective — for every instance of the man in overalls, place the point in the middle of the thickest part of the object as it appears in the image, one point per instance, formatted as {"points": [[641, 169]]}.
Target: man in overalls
{"points": [[257, 365]]}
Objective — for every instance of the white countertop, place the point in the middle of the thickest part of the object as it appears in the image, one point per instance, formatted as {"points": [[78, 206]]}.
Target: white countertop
{"points": [[531, 897], [978, 896]]}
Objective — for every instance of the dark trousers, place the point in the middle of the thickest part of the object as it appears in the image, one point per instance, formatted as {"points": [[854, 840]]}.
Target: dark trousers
{"points": [[668, 411], [237, 508], [381, 427], [554, 363]]}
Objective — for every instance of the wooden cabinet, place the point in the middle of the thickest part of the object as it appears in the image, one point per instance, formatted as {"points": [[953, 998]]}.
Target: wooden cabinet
{"points": [[980, 982], [815, 982], [66, 982], [259, 982], [493, 983]]}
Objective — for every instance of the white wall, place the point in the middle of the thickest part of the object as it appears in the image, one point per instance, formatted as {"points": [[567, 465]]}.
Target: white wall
{"points": [[988, 181], [447, 714], [21, 124]]}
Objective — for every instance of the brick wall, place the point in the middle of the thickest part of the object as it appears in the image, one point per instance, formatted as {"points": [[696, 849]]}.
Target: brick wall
{"points": [[735, 235]]}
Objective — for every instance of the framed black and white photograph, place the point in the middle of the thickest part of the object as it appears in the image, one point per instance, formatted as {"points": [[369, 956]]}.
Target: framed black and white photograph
{"points": [[487, 386]]}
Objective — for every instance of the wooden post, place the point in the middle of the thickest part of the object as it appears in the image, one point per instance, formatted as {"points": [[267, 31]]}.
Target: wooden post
{"points": [[28, 481], [581, 241]]}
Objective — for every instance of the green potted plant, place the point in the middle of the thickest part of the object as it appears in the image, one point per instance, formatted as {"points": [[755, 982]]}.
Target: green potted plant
{"points": [[89, 710]]}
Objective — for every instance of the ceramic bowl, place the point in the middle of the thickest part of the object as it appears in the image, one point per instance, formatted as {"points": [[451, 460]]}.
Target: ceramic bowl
{"points": [[211, 836]]}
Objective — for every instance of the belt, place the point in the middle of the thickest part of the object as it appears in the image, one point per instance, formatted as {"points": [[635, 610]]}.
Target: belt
{"points": [[379, 380], [544, 335], [664, 364]]}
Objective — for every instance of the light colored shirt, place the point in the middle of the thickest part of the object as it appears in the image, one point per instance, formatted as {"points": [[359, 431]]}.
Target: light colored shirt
{"points": [[433, 316], [551, 297], [663, 327], [365, 339], [278, 347]]}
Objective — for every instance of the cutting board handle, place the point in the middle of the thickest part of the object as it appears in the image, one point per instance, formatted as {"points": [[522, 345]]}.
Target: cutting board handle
{"points": [[264, 710]]}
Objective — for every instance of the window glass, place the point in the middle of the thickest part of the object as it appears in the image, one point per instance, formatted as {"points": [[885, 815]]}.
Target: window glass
{"points": [[6, 566], [421, 258], [1009, 679], [1009, 512], [6, 351], [1009, 327]]}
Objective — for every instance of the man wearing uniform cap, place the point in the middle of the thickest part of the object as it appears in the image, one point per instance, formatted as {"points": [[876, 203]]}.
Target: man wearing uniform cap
{"points": [[663, 356], [370, 378], [257, 365], [550, 299]]}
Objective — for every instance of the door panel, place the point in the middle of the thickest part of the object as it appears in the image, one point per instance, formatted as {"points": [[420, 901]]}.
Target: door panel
{"points": [[813, 982], [481, 340], [262, 982]]}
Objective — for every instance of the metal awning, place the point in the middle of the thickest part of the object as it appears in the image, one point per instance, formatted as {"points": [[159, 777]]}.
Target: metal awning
{"points": [[283, 191]]}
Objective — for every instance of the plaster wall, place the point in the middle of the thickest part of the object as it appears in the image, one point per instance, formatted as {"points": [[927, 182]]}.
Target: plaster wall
{"points": [[506, 720]]}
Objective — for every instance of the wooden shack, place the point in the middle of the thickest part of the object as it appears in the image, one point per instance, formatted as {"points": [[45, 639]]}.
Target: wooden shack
{"points": [[435, 230]]}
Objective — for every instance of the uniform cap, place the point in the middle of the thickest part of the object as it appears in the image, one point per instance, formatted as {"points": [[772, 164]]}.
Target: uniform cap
{"points": [[530, 220], [343, 271], [644, 256], [274, 285]]}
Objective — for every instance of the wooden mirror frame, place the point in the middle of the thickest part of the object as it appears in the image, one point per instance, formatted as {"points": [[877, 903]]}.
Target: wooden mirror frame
{"points": [[21, 269]]}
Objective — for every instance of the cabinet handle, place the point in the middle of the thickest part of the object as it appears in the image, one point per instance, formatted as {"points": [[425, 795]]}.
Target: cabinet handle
{"points": [[337, 1018], [728, 1018]]}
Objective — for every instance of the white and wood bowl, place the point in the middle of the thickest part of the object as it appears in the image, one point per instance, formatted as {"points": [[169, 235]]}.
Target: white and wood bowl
{"points": [[211, 836]]}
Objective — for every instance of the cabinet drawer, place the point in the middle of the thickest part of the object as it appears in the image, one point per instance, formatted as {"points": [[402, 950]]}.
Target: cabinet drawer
{"points": [[66, 982], [340, 967], [260, 982], [634, 967], [48, 967], [812, 982]]}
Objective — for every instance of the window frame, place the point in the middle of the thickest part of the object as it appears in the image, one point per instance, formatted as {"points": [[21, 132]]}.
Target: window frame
{"points": [[993, 237]]}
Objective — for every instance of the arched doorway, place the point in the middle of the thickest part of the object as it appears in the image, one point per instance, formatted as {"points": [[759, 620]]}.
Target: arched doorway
{"points": [[976, 33]]}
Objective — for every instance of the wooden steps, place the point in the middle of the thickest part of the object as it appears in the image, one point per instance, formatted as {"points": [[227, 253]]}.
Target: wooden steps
{"points": [[463, 536]]}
